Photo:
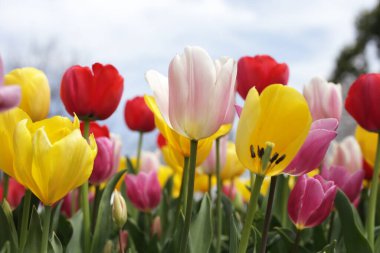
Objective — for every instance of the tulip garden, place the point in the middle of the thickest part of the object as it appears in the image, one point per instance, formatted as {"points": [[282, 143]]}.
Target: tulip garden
{"points": [[266, 175]]}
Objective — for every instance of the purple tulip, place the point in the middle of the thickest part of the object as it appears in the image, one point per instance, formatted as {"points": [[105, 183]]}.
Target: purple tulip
{"points": [[314, 149], [350, 182], [311, 201], [143, 190], [10, 96]]}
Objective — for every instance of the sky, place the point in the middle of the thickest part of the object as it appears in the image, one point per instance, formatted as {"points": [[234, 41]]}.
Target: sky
{"points": [[136, 36]]}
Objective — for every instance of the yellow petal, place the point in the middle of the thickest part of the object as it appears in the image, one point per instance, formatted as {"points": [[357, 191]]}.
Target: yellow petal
{"points": [[368, 144], [233, 167], [201, 182], [280, 116]]}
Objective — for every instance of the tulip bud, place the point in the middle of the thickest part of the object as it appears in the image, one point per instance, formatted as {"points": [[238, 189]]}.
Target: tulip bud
{"points": [[108, 247], [324, 98], [156, 227], [311, 201], [35, 91], [259, 72], [119, 210], [138, 116]]}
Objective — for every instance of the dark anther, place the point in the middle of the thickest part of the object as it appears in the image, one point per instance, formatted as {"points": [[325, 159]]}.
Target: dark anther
{"points": [[280, 159], [274, 157], [253, 155], [260, 152]]}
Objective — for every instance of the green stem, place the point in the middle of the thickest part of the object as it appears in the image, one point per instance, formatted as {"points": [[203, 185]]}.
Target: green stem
{"points": [[121, 241], [139, 146], [5, 185], [296, 241], [190, 192], [46, 228], [218, 198], [25, 219], [283, 194], [268, 214], [255, 192], [373, 196], [331, 225], [84, 202], [184, 183], [209, 184]]}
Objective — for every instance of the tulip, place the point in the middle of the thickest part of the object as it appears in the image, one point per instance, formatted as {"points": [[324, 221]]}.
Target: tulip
{"points": [[96, 129], [202, 183], [67, 209], [15, 193], [229, 190], [10, 96], [8, 122], [119, 210], [149, 161], [91, 94], [164, 173], [209, 165], [138, 116], [56, 150], [368, 143], [143, 190], [314, 149], [259, 72], [324, 98], [184, 98], [233, 167], [280, 115], [350, 182], [346, 153], [311, 201], [35, 91]]}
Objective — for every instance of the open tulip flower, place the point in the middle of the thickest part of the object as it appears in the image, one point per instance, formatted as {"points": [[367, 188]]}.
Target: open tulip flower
{"points": [[312, 152], [311, 201], [280, 115], [183, 97], [91, 94], [324, 98], [10, 96], [52, 157], [259, 72]]}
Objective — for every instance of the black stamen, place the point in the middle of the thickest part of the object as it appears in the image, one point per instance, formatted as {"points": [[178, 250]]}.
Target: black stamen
{"points": [[280, 159], [274, 157], [260, 152], [253, 155]]}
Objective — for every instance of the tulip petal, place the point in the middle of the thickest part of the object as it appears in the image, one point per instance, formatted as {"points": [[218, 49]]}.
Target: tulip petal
{"points": [[295, 197], [10, 97], [353, 185], [368, 143]]}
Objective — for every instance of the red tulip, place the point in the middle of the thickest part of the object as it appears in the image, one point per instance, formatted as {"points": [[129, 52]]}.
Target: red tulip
{"points": [[15, 193], [259, 71], [138, 116], [362, 101], [94, 94], [161, 141], [311, 201], [97, 130]]}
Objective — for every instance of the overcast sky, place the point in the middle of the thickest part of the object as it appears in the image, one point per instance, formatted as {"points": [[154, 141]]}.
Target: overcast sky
{"points": [[140, 35]]}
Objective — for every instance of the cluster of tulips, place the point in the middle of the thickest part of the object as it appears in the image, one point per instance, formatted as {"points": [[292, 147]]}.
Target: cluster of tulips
{"points": [[282, 185]]}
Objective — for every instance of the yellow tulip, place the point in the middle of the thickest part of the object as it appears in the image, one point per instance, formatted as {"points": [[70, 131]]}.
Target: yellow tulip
{"points": [[242, 184], [52, 157], [164, 173], [35, 91], [280, 115], [179, 144], [8, 122], [233, 167], [368, 144], [201, 182]]}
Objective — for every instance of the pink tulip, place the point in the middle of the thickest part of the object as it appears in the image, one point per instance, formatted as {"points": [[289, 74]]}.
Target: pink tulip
{"points": [[107, 159], [311, 201], [143, 190], [149, 161], [197, 97], [324, 99], [67, 202], [349, 182], [16, 192], [209, 165], [312, 152], [10, 96], [230, 191], [346, 153]]}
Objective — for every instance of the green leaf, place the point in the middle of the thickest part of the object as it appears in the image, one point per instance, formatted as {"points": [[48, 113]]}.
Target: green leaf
{"points": [[201, 228], [136, 235], [281, 201], [64, 231], [234, 235], [33, 242], [6, 248], [76, 222], [288, 237], [8, 232], [55, 244], [377, 245], [352, 229], [104, 218], [330, 248]]}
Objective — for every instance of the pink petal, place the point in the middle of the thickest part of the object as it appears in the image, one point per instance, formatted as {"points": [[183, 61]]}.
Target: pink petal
{"points": [[353, 185], [154, 190], [238, 109], [10, 97], [295, 197], [327, 124]]}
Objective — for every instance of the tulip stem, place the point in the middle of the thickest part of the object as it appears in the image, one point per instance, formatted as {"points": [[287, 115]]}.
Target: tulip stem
{"points": [[218, 197], [139, 146], [5, 186], [190, 192], [209, 184], [296, 241], [25, 219], [373, 196], [184, 183], [255, 192], [268, 214], [121, 241], [331, 225], [85, 204], [46, 228]]}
